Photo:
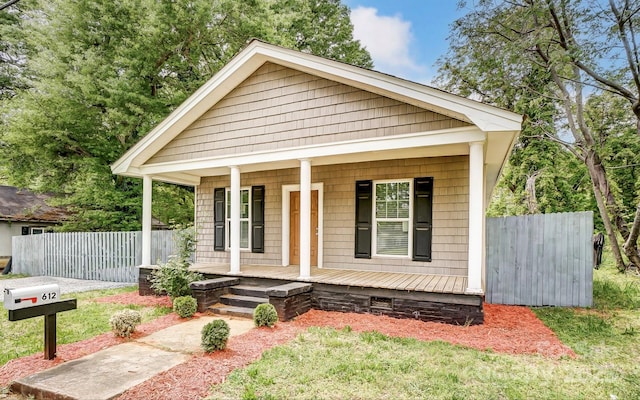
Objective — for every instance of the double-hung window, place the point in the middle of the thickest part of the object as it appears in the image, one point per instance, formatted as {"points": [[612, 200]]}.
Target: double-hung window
{"points": [[394, 218], [252, 202], [245, 215]]}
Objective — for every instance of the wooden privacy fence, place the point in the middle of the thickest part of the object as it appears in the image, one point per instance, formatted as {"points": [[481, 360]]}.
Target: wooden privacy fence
{"points": [[103, 256], [540, 260]]}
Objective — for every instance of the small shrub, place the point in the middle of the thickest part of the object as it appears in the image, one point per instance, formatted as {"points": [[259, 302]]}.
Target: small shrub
{"points": [[215, 335], [265, 315], [123, 323], [174, 277], [185, 306]]}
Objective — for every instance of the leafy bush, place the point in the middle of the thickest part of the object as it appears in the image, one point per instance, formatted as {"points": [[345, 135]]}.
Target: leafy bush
{"points": [[123, 323], [265, 315], [174, 276], [185, 306], [215, 335]]}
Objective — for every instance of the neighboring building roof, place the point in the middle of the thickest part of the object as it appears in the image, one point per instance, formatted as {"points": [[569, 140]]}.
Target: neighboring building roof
{"points": [[498, 127], [24, 205]]}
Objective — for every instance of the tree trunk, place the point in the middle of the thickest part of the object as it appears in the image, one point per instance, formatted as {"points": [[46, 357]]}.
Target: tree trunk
{"points": [[530, 190], [597, 175]]}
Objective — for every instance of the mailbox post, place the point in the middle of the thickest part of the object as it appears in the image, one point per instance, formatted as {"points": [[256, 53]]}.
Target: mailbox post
{"points": [[39, 301]]}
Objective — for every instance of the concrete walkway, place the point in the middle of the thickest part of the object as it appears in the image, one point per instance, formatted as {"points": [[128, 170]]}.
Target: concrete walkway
{"points": [[108, 373]]}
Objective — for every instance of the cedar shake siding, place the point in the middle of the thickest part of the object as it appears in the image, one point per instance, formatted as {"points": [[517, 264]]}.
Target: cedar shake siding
{"points": [[278, 107], [450, 214]]}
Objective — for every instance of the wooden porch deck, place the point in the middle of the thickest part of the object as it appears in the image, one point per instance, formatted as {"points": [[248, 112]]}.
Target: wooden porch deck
{"points": [[371, 279]]}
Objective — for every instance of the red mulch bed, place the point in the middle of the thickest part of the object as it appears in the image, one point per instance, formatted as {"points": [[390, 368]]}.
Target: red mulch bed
{"points": [[135, 298], [507, 329]]}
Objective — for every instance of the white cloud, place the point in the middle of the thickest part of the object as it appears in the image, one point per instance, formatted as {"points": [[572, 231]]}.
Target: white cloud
{"points": [[388, 40]]}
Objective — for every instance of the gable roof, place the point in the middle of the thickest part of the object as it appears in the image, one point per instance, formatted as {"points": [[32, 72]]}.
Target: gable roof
{"points": [[486, 118], [23, 205]]}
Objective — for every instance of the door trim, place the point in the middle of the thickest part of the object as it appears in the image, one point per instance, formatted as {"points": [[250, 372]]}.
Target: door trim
{"points": [[286, 207]]}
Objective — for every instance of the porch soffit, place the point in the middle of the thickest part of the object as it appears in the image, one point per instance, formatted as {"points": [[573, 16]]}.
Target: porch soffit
{"points": [[496, 122]]}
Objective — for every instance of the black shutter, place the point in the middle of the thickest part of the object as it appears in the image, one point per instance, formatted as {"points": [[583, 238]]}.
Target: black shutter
{"points": [[364, 215], [218, 219], [257, 219], [422, 218]]}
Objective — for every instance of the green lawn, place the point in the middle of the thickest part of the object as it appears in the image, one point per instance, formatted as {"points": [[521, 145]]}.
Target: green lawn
{"points": [[21, 338], [329, 364], [12, 276]]}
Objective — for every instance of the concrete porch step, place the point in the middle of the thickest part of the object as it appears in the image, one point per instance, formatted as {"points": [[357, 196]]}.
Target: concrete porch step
{"points": [[242, 301], [223, 309]]}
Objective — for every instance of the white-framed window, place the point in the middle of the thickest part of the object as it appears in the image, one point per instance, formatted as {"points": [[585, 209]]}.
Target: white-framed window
{"points": [[245, 217], [392, 213]]}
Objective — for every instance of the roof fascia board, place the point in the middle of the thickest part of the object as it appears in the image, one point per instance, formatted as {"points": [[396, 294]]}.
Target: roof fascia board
{"points": [[423, 139], [230, 76]]}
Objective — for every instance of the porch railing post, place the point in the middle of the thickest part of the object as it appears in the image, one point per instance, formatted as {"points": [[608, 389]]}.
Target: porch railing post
{"points": [[147, 190], [305, 219], [235, 220], [476, 217]]}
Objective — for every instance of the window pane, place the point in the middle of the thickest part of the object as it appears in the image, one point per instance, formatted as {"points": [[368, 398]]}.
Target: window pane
{"points": [[244, 234], [244, 204], [381, 191], [403, 191], [403, 209], [392, 238], [228, 204], [392, 209], [381, 209]]}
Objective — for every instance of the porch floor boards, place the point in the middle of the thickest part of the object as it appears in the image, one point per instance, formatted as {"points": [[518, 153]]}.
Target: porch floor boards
{"points": [[374, 279]]}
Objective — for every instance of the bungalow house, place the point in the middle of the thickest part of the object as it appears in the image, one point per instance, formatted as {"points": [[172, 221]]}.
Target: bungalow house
{"points": [[23, 212], [369, 189]]}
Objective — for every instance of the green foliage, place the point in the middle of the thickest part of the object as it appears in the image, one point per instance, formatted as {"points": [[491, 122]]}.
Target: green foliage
{"points": [[215, 335], [265, 314], [123, 323], [94, 77], [185, 306], [174, 276]]}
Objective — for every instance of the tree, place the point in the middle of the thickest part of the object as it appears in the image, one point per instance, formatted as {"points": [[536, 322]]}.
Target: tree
{"points": [[568, 46], [103, 73]]}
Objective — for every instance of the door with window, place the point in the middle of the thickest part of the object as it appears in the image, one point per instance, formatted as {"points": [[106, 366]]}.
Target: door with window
{"points": [[294, 228]]}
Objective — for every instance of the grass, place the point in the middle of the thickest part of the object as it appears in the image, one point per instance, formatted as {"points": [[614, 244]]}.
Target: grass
{"points": [[12, 276], [330, 364], [21, 338]]}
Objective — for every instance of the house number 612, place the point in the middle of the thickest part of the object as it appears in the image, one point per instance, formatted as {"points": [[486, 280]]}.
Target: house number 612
{"points": [[49, 296]]}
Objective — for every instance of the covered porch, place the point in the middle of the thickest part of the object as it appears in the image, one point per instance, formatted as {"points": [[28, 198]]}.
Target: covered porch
{"points": [[373, 279]]}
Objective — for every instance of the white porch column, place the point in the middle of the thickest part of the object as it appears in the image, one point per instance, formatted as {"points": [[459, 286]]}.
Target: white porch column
{"points": [[305, 219], [476, 216], [235, 220], [147, 190]]}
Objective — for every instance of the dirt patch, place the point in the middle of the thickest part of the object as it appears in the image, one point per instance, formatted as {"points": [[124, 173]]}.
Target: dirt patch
{"points": [[507, 329]]}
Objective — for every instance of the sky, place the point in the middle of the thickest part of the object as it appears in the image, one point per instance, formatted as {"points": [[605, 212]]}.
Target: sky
{"points": [[404, 37]]}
